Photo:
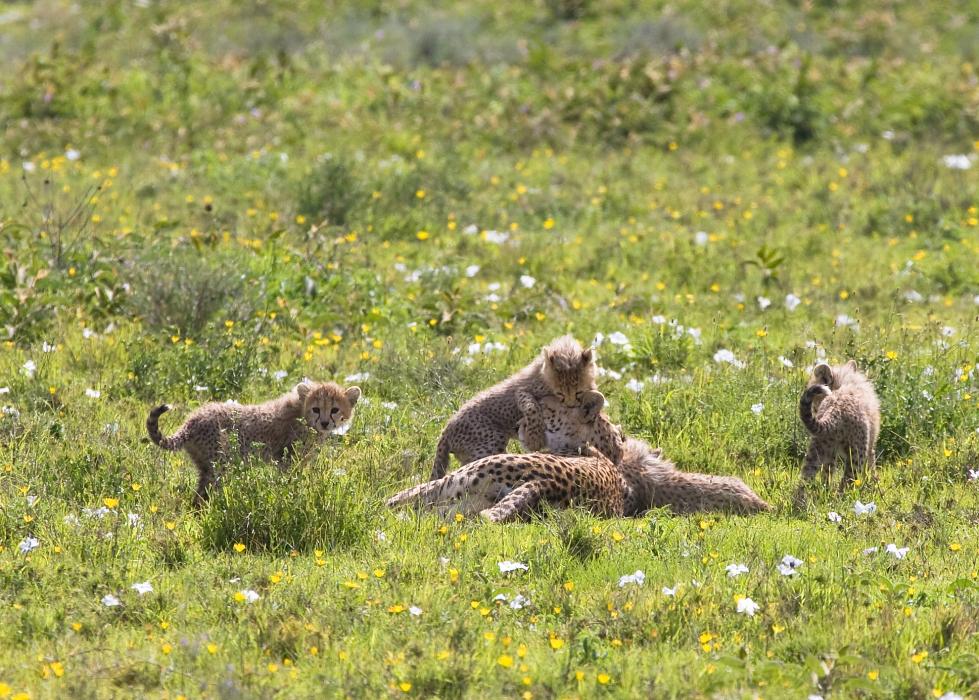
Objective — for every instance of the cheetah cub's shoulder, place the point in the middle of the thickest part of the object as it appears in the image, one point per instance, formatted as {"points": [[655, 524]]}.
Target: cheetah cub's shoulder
{"points": [[842, 414], [486, 423], [269, 430]]}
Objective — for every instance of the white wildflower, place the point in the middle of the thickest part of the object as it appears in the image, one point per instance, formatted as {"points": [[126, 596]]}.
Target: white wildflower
{"points": [[789, 565], [701, 238], [868, 551], [757, 408], [508, 566], [72, 154], [786, 362], [764, 303], [142, 588], [957, 162], [250, 595], [897, 552], [415, 611], [634, 385], [834, 517], [864, 508], [93, 393], [735, 570], [747, 606], [496, 237], [618, 338], [725, 355], [637, 578], [357, 377], [279, 375], [670, 592], [472, 270], [792, 302], [28, 544], [29, 368], [110, 601]]}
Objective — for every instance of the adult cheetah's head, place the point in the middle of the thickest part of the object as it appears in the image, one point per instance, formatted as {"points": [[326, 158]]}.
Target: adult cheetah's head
{"points": [[568, 369], [328, 407], [585, 425]]}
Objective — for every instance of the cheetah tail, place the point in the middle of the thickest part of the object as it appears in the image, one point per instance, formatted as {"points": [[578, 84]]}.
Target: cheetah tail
{"points": [[441, 465], [814, 425], [153, 428], [424, 494]]}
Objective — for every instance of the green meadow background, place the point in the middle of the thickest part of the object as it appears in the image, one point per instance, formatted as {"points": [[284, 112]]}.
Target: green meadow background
{"points": [[205, 201]]}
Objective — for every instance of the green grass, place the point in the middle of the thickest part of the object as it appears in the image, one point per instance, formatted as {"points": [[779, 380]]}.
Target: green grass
{"points": [[196, 197]]}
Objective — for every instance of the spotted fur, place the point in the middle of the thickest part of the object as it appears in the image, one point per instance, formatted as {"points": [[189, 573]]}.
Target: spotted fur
{"points": [[842, 414], [486, 423], [579, 430], [269, 430], [506, 487]]}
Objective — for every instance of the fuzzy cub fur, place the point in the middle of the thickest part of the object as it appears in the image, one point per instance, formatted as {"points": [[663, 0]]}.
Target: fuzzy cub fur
{"points": [[842, 414], [486, 423], [268, 429]]}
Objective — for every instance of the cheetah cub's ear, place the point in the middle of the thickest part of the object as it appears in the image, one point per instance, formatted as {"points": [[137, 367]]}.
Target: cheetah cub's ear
{"points": [[823, 373], [303, 389], [592, 403], [587, 356], [353, 393], [851, 365]]}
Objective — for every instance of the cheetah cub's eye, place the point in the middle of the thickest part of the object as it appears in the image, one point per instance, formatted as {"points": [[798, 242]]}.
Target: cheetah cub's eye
{"points": [[334, 410], [316, 410]]}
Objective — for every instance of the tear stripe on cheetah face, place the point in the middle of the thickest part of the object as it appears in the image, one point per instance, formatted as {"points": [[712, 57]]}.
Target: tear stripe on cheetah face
{"points": [[577, 430], [509, 487], [486, 423], [840, 410], [269, 430]]}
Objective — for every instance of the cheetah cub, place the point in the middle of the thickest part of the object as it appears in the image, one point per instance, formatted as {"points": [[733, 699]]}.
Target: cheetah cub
{"points": [[486, 423], [840, 410], [268, 429]]}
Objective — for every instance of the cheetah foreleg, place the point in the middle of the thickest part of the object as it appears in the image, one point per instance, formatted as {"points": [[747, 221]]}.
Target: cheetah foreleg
{"points": [[516, 505], [531, 431]]}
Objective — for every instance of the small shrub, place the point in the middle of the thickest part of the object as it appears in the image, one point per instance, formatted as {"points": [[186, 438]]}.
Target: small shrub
{"points": [[331, 192], [297, 510]]}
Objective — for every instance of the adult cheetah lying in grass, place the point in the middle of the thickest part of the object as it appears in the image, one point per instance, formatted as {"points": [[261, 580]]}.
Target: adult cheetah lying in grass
{"points": [[486, 423], [842, 414], [507, 487], [268, 429]]}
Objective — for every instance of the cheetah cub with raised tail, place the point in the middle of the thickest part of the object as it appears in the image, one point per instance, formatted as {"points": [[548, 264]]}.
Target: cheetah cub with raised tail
{"points": [[486, 423], [840, 410], [269, 430]]}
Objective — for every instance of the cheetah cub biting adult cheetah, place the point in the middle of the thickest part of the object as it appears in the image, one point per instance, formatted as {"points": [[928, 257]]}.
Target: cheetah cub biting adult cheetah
{"points": [[506, 487], [842, 414], [268, 429], [485, 423]]}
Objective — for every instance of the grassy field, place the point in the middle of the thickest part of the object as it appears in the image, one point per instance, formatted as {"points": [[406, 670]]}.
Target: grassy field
{"points": [[211, 201]]}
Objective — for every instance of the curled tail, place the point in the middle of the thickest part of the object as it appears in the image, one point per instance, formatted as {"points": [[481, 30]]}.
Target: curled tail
{"points": [[689, 492], [441, 458], [175, 442], [813, 424]]}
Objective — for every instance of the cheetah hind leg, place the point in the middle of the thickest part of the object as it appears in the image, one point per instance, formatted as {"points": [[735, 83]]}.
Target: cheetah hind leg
{"points": [[516, 505]]}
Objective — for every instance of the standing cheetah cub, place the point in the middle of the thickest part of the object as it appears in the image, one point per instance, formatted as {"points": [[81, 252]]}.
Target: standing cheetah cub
{"points": [[485, 423], [840, 410], [268, 429]]}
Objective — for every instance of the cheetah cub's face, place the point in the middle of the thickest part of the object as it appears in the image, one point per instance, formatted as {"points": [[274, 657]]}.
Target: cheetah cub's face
{"points": [[328, 408], [568, 370]]}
